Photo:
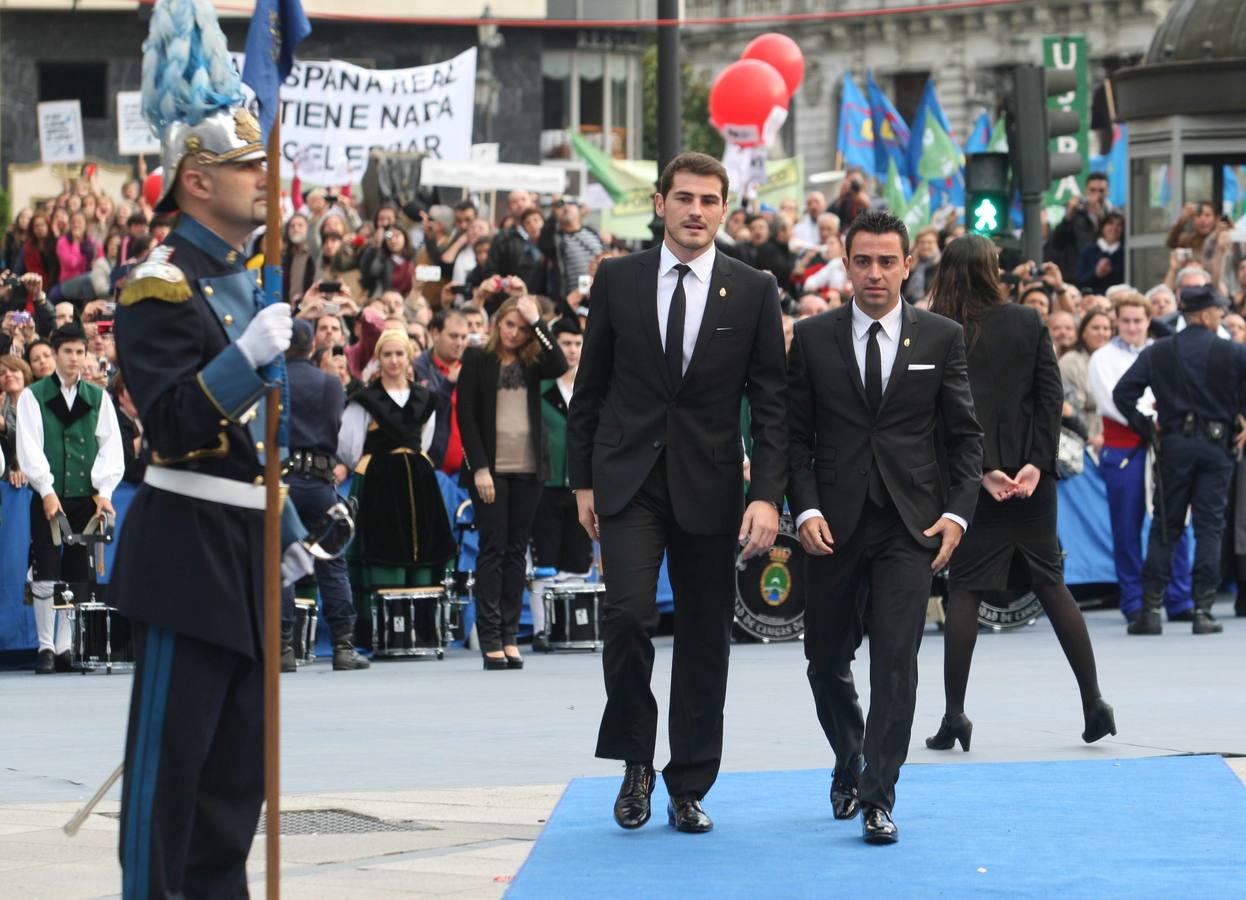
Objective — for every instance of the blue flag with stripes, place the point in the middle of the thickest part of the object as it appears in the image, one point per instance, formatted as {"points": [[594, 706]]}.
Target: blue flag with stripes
{"points": [[891, 132], [277, 27], [856, 128]]}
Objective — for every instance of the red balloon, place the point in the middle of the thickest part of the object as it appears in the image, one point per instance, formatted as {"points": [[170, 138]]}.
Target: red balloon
{"points": [[748, 102], [151, 187], [781, 52]]}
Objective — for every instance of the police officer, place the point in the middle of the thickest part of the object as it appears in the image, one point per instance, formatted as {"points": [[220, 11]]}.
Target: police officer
{"points": [[198, 352], [1196, 378], [316, 404]]}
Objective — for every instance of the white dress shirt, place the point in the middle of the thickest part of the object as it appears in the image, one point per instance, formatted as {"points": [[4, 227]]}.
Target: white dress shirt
{"points": [[354, 429], [696, 292], [109, 465], [1107, 366], [888, 344], [805, 233]]}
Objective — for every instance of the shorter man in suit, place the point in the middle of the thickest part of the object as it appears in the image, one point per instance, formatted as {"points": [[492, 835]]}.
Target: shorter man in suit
{"points": [[870, 385]]}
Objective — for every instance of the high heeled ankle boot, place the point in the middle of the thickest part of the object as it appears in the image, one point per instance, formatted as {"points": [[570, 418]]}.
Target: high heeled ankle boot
{"points": [[957, 728]]}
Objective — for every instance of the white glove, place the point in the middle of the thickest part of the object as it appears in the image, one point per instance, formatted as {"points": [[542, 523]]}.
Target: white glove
{"points": [[268, 335], [296, 563]]}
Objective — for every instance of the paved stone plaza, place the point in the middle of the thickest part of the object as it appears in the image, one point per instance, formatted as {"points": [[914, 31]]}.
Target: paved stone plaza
{"points": [[474, 761]]}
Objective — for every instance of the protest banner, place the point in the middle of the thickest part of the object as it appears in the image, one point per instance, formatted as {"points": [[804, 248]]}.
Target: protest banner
{"points": [[60, 132], [134, 135]]}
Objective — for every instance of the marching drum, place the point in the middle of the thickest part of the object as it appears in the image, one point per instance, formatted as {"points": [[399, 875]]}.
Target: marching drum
{"points": [[101, 639], [1005, 610], [409, 622], [304, 630], [573, 615], [770, 590]]}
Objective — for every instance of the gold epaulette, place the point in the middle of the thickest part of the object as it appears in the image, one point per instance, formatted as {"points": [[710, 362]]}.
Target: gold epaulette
{"points": [[156, 278]]}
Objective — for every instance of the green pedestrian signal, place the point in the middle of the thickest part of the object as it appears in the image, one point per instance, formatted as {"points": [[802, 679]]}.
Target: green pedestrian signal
{"points": [[985, 218], [986, 193]]}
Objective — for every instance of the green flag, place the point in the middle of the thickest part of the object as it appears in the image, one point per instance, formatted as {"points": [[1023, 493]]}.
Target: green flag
{"points": [[600, 165], [941, 158], [894, 193], [999, 138], [917, 214]]}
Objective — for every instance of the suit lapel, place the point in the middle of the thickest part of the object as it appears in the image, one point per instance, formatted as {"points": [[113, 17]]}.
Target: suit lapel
{"points": [[647, 292], [904, 352], [843, 337], [716, 300]]}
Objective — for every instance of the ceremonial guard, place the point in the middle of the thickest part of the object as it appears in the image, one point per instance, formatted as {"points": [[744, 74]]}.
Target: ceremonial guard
{"points": [[1197, 379], [69, 446], [197, 351], [316, 404]]}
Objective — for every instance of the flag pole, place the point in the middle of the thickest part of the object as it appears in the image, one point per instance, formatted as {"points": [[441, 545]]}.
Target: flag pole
{"points": [[273, 502]]}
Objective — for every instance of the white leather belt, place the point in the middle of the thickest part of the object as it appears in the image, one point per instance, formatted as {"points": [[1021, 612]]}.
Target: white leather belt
{"points": [[206, 487]]}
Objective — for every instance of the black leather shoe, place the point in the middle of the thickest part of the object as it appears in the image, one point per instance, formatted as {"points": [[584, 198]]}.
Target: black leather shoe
{"points": [[514, 662], [877, 827], [684, 813], [345, 657], [1100, 722], [1186, 615], [631, 807], [45, 664], [540, 642], [957, 728], [63, 663], [844, 803], [495, 663]]}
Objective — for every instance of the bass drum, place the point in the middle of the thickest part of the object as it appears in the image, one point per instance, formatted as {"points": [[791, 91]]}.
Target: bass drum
{"points": [[770, 590], [1006, 610]]}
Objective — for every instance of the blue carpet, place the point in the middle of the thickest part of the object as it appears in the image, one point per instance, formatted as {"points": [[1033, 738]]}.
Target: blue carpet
{"points": [[1161, 827]]}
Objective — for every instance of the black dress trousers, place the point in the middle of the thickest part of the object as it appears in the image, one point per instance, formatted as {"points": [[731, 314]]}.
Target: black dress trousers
{"points": [[879, 577], [702, 573]]}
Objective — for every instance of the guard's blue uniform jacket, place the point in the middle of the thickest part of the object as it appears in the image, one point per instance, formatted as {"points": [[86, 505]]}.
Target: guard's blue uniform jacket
{"points": [[193, 566]]}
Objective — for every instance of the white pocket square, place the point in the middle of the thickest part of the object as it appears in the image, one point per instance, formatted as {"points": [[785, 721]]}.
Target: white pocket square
{"points": [[920, 367], [727, 328]]}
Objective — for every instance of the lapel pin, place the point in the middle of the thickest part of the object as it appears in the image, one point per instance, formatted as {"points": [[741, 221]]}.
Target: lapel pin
{"points": [[907, 342], [722, 292]]}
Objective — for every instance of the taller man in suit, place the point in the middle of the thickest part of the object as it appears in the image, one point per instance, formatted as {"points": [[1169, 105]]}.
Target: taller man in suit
{"points": [[874, 388], [676, 336]]}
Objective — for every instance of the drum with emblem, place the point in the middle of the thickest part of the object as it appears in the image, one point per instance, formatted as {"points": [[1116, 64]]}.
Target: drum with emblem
{"points": [[770, 590]]}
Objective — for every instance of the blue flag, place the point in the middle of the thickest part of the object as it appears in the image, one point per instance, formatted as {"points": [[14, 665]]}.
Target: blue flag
{"points": [[277, 27], [928, 104], [891, 134], [1115, 165], [980, 137], [856, 128]]}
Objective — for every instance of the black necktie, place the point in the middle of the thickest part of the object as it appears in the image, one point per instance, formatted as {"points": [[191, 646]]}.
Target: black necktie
{"points": [[874, 369], [675, 329]]}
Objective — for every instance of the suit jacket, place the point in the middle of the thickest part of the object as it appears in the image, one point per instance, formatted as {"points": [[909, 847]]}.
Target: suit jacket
{"points": [[625, 411], [478, 404], [1017, 391], [834, 437]]}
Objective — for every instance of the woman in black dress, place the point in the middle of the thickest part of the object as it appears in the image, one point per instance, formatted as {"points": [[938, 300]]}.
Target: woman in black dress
{"points": [[506, 462], [1012, 543]]}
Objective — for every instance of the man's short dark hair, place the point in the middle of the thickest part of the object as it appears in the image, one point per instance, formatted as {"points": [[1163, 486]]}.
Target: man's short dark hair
{"points": [[438, 322], [566, 325], [139, 246], [162, 220], [753, 218], [464, 206], [483, 242], [136, 219], [877, 221], [695, 163], [1096, 176]]}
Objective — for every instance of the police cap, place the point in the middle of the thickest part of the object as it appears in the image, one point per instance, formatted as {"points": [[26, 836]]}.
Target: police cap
{"points": [[1201, 297]]}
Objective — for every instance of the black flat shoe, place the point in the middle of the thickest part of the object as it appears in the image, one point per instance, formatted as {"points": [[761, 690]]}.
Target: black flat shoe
{"points": [[958, 728], [63, 662], [45, 663], [631, 807], [514, 662], [684, 813], [1100, 722], [844, 803], [540, 643], [878, 828], [495, 663]]}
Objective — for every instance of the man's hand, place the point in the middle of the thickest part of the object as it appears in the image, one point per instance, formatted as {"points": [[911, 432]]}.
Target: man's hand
{"points": [[1027, 480], [950, 533], [103, 506], [759, 526], [999, 485], [1052, 276], [484, 486], [748, 470], [586, 512], [1103, 267], [815, 537], [340, 473], [51, 506], [33, 283]]}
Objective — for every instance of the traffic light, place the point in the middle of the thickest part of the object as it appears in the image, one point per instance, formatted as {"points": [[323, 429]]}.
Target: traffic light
{"points": [[1032, 125], [986, 193]]}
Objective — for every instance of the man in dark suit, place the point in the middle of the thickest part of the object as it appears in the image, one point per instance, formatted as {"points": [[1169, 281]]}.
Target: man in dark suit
{"points": [[676, 336], [870, 386]]}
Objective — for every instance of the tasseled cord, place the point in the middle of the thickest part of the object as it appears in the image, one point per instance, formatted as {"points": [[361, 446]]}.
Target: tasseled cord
{"points": [[187, 70]]}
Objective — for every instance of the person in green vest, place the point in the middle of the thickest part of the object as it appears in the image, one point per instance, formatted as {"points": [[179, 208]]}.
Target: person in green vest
{"points": [[560, 546], [69, 446]]}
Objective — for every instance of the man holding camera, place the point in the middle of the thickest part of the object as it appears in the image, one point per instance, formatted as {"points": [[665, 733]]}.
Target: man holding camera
{"points": [[570, 245], [1080, 226], [1197, 379], [69, 447]]}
